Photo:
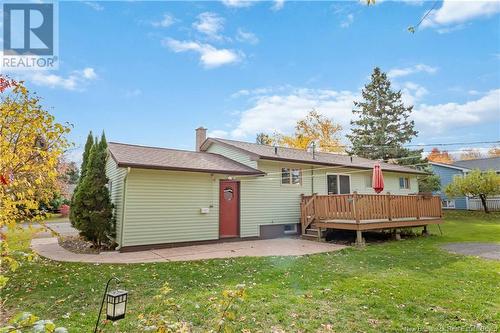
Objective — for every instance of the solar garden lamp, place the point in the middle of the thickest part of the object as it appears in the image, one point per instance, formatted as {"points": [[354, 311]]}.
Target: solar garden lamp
{"points": [[116, 303]]}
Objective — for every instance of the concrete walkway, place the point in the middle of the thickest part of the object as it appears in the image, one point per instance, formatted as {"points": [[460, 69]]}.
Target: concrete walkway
{"points": [[49, 248], [63, 228]]}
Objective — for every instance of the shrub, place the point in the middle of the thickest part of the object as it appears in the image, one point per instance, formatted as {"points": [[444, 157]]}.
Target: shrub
{"points": [[64, 210], [92, 210]]}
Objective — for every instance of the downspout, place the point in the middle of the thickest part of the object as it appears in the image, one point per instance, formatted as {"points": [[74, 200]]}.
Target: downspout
{"points": [[312, 180], [123, 208]]}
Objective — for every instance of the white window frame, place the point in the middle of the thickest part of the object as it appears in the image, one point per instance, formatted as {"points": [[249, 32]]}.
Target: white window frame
{"points": [[338, 181], [404, 183], [290, 178], [290, 232], [448, 202]]}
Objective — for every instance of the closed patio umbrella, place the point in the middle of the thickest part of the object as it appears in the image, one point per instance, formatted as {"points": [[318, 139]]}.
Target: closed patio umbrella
{"points": [[378, 179]]}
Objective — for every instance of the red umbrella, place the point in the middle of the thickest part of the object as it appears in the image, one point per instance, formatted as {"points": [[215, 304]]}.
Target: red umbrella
{"points": [[378, 179]]}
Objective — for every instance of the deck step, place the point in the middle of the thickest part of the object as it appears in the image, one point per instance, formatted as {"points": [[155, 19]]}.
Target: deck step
{"points": [[314, 234], [309, 237], [312, 231]]}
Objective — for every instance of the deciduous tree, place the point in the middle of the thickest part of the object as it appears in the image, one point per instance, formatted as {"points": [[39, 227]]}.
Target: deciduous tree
{"points": [[263, 139], [494, 152], [31, 144], [475, 184], [440, 156], [470, 154], [429, 182], [314, 128], [67, 177]]}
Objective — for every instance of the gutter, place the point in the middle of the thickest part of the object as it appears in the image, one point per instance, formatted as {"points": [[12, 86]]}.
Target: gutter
{"points": [[123, 208], [412, 172], [223, 172]]}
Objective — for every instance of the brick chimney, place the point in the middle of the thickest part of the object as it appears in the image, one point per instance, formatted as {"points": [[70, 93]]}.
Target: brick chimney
{"points": [[201, 136]]}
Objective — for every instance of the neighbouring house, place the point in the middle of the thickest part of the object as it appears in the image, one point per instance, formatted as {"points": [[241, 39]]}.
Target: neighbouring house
{"points": [[447, 172], [229, 189]]}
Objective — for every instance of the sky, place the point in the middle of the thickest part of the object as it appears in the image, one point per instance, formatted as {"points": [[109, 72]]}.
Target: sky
{"points": [[149, 73]]}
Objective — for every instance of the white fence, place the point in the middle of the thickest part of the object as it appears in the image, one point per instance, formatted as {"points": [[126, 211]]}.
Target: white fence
{"points": [[493, 204]]}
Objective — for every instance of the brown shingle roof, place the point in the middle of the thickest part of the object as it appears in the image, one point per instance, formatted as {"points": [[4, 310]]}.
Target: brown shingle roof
{"points": [[143, 157], [266, 152]]}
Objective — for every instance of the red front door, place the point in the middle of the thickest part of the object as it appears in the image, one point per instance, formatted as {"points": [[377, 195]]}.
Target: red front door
{"points": [[229, 208]]}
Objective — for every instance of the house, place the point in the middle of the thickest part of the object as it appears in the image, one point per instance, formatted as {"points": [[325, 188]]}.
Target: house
{"points": [[228, 189], [447, 172]]}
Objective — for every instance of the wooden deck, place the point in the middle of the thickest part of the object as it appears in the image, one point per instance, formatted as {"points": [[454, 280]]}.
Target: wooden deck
{"points": [[363, 212]]}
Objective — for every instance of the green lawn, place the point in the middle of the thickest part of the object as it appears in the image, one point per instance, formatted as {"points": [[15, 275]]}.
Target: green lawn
{"points": [[53, 218], [394, 286]]}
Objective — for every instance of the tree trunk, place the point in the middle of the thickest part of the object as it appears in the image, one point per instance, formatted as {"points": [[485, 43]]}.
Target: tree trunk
{"points": [[483, 201]]}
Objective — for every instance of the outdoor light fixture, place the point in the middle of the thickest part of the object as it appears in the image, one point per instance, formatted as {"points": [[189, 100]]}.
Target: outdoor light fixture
{"points": [[116, 303]]}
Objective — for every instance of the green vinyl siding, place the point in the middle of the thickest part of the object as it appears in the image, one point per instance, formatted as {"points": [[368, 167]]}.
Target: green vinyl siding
{"points": [[116, 178], [165, 207], [264, 200], [232, 153]]}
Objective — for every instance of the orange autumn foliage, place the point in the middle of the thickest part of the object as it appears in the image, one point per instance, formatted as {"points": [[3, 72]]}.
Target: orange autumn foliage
{"points": [[440, 156]]}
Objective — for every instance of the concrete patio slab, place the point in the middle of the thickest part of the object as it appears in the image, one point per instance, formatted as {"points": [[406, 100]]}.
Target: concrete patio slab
{"points": [[50, 248]]}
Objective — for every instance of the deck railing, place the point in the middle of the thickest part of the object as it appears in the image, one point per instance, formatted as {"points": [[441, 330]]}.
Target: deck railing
{"points": [[368, 207]]}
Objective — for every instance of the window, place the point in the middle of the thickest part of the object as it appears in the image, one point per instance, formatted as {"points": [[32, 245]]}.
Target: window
{"points": [[368, 181], [338, 184], [404, 183], [447, 204], [291, 176], [285, 176], [290, 228], [295, 176], [228, 194]]}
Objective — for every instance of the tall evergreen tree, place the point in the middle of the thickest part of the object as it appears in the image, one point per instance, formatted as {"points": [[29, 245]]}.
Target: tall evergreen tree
{"points": [[83, 170], [86, 154], [93, 211], [382, 126]]}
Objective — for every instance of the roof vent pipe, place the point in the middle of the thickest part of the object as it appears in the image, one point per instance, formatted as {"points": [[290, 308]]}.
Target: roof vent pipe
{"points": [[275, 150], [313, 149]]}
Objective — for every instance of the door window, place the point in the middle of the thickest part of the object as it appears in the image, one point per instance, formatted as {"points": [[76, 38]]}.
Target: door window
{"points": [[344, 184], [339, 184], [228, 194], [332, 184]]}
